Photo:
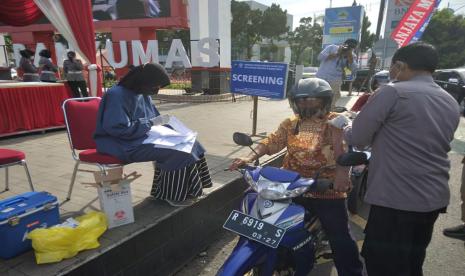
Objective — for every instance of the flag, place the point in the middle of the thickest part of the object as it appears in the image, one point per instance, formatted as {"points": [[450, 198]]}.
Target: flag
{"points": [[420, 32], [413, 23]]}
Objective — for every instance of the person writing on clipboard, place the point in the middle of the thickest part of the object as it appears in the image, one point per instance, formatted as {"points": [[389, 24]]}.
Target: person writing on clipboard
{"points": [[125, 118]]}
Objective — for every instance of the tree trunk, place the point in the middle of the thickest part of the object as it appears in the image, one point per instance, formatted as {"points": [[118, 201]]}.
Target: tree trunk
{"points": [[249, 49], [298, 55]]}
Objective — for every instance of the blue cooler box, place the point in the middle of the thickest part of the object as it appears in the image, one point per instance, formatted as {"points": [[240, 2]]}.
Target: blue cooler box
{"points": [[19, 215]]}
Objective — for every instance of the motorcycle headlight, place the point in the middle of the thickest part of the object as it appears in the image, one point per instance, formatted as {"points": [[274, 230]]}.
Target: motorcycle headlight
{"points": [[273, 194], [271, 190], [248, 178]]}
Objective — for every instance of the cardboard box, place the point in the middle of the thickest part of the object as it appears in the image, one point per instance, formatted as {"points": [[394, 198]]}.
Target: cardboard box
{"points": [[116, 203], [115, 196], [113, 176]]}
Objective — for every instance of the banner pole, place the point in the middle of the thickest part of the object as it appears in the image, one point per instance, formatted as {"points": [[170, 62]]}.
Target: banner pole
{"points": [[103, 71], [254, 118]]}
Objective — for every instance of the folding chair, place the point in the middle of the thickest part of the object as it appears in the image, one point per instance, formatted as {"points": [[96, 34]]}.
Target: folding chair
{"points": [[81, 119], [8, 158]]}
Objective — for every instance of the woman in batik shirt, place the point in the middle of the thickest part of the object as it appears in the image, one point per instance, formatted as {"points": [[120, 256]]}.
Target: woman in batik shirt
{"points": [[311, 144]]}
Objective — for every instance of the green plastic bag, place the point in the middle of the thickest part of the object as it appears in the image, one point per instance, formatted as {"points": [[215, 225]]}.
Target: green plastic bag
{"points": [[57, 243]]}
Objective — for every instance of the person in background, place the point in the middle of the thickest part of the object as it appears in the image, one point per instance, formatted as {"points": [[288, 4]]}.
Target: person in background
{"points": [[26, 64], [337, 62], [312, 144], [458, 232], [372, 63], [409, 125], [72, 68], [47, 68], [109, 75], [124, 119]]}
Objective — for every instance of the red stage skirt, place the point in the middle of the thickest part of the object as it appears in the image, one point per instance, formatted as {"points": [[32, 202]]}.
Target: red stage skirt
{"points": [[30, 106]]}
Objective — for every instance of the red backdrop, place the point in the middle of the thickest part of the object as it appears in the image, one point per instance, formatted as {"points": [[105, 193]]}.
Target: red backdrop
{"points": [[19, 12], [79, 14]]}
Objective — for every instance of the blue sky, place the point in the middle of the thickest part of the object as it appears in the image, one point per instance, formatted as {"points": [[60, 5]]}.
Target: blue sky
{"points": [[303, 8]]}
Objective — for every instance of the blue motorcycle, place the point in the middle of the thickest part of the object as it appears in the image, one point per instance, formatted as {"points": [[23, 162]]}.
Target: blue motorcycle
{"points": [[277, 235]]}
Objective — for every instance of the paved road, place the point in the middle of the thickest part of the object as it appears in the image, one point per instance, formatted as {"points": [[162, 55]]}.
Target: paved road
{"points": [[445, 257]]}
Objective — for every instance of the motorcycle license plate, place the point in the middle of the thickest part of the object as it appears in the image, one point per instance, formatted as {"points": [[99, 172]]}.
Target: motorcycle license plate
{"points": [[254, 229]]}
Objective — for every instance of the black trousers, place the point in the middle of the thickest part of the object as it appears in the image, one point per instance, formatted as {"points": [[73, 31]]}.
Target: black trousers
{"points": [[335, 221], [396, 241], [79, 88]]}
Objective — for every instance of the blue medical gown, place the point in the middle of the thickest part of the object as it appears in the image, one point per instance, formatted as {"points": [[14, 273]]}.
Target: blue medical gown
{"points": [[123, 121]]}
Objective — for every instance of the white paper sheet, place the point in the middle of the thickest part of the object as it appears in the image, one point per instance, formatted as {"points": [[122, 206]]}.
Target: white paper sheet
{"points": [[179, 138]]}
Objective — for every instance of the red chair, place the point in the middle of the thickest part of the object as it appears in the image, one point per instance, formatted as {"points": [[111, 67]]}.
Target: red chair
{"points": [[10, 158], [81, 119]]}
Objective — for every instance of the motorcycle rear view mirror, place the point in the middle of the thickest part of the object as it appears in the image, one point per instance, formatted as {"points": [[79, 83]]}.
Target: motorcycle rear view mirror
{"points": [[352, 159], [242, 139]]}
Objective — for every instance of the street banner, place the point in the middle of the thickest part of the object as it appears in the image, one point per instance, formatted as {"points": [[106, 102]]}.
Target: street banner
{"points": [[413, 21], [420, 32], [342, 24], [263, 79]]}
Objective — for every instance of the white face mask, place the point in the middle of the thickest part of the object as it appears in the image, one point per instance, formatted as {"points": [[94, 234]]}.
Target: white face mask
{"points": [[395, 79], [398, 64]]}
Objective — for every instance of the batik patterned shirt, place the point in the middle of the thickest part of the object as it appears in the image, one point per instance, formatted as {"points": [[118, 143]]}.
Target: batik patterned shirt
{"points": [[308, 151]]}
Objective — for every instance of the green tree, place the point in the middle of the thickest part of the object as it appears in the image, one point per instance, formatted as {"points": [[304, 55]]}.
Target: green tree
{"points": [[102, 37], [274, 22], [165, 37], [305, 36], [368, 39], [8, 43], [245, 27], [446, 32], [274, 25]]}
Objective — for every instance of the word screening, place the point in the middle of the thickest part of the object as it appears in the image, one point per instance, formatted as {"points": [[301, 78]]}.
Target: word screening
{"points": [[258, 79]]}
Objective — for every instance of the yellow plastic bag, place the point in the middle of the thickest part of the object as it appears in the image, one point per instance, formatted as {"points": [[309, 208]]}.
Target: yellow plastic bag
{"points": [[57, 243]]}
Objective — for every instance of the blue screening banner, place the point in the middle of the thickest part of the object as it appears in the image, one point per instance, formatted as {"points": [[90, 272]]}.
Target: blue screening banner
{"points": [[342, 24], [263, 79]]}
